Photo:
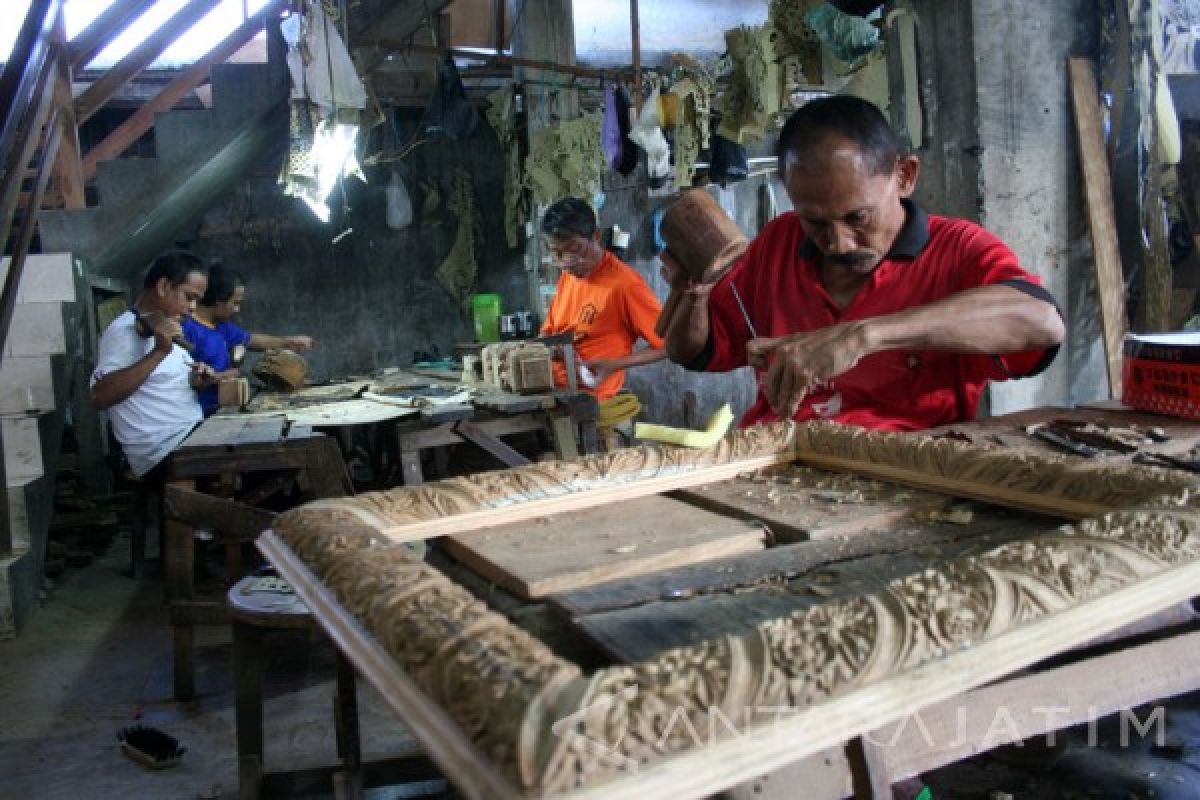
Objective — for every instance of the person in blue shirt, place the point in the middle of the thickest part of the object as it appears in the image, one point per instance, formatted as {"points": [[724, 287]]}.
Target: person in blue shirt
{"points": [[214, 336]]}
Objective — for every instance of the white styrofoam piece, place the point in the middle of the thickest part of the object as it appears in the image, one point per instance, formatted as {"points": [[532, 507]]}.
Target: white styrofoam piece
{"points": [[46, 278], [18, 515], [26, 384], [22, 448], [8, 620], [37, 330]]}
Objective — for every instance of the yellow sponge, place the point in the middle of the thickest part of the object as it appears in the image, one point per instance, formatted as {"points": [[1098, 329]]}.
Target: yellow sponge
{"points": [[718, 426]]}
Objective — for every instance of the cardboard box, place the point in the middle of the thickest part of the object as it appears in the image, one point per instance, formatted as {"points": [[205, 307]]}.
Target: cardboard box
{"points": [[1160, 372]]}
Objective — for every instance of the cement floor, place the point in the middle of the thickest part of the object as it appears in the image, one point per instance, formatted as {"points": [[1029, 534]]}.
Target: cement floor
{"points": [[97, 658]]}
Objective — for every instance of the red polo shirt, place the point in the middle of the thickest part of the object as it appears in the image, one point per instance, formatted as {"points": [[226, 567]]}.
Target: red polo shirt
{"points": [[933, 257]]}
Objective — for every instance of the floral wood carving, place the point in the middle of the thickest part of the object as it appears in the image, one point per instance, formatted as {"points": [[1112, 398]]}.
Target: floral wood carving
{"points": [[551, 728]]}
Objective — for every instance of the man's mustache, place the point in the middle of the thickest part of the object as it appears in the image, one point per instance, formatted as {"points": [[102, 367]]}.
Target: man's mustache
{"points": [[860, 259]]}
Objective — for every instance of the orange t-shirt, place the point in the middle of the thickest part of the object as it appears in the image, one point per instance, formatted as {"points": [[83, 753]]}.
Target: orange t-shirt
{"points": [[608, 311]]}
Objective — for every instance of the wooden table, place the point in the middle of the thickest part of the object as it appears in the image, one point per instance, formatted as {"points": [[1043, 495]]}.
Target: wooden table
{"points": [[220, 452], [622, 582], [482, 420]]}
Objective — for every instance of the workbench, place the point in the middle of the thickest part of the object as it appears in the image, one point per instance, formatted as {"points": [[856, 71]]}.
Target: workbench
{"points": [[879, 597], [219, 456], [430, 409]]}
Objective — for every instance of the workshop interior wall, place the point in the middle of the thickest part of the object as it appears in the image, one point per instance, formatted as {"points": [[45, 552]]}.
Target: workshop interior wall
{"points": [[368, 294], [371, 299], [1000, 149]]}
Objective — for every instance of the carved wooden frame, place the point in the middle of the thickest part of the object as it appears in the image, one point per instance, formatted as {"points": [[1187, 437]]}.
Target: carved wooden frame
{"points": [[505, 717]]}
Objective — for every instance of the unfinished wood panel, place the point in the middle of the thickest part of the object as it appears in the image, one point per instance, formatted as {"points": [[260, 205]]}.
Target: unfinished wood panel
{"points": [[923, 538], [687, 611], [554, 554], [222, 431], [1097, 182], [799, 503]]}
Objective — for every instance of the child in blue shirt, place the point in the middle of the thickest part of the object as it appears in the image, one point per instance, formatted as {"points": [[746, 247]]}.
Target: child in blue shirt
{"points": [[214, 335]]}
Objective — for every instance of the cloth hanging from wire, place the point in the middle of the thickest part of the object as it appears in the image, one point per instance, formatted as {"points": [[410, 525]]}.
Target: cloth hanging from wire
{"points": [[327, 107]]}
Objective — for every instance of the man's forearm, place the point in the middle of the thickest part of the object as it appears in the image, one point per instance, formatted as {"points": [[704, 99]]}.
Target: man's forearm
{"points": [[638, 358], [689, 329], [990, 320], [117, 386], [265, 341]]}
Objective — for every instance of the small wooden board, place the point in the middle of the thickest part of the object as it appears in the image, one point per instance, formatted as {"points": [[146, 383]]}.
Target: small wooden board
{"points": [[799, 503], [230, 430], [575, 549], [636, 618]]}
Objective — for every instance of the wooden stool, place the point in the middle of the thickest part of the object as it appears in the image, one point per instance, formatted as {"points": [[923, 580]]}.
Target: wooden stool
{"points": [[253, 614]]}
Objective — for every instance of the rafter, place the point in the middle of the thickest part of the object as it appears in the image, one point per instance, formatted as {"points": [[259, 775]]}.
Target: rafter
{"points": [[143, 119], [110, 24], [100, 92]]}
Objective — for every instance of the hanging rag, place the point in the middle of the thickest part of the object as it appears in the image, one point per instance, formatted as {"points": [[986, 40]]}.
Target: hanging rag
{"points": [[450, 112]]}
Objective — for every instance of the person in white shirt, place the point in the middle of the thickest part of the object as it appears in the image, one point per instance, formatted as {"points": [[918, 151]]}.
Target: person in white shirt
{"points": [[144, 380]]}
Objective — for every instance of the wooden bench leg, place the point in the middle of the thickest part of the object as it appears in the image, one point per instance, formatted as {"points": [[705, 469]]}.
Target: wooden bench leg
{"points": [[564, 428], [345, 714], [410, 465], [248, 707], [868, 770], [137, 535], [179, 585]]}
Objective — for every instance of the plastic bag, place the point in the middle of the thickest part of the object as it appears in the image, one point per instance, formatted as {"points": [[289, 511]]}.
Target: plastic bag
{"points": [[399, 204], [649, 136]]}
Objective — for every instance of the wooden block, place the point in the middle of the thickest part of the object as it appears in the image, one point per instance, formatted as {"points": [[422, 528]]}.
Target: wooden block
{"points": [[576, 549], [229, 431], [22, 448], [533, 375], [233, 393], [26, 384], [799, 503]]}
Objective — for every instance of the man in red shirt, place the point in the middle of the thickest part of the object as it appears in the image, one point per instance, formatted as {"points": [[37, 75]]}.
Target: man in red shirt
{"points": [[857, 306], [602, 300]]}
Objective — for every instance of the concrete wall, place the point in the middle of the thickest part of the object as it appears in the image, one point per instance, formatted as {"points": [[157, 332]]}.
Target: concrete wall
{"points": [[372, 298], [1001, 149]]}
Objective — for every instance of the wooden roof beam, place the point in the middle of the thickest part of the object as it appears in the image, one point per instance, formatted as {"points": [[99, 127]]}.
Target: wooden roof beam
{"points": [[142, 120], [108, 84], [401, 22], [110, 24]]}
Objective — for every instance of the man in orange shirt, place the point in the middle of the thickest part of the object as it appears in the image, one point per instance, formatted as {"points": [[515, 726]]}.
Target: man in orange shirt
{"points": [[601, 299]]}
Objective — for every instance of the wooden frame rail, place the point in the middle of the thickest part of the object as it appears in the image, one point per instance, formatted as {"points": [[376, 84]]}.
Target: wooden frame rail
{"points": [[829, 673]]}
